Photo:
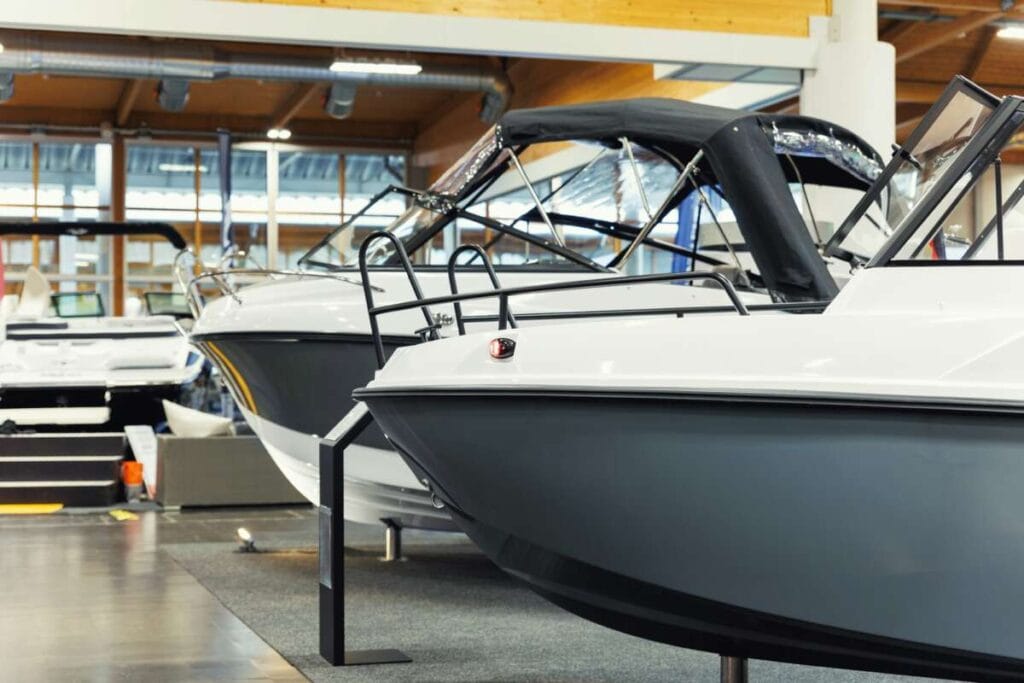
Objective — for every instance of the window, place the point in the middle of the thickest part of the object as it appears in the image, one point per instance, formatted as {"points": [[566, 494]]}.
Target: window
{"points": [[317, 191], [56, 180]]}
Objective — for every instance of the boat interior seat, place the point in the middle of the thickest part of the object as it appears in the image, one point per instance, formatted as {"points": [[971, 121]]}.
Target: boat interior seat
{"points": [[133, 307], [8, 304], [35, 295]]}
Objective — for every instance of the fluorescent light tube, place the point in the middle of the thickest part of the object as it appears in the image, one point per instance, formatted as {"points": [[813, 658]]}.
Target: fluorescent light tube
{"points": [[360, 66]]}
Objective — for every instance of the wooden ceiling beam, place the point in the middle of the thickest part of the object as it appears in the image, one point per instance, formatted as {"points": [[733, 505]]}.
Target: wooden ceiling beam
{"points": [[954, 5], [937, 33], [292, 104], [926, 92], [899, 31], [125, 103], [981, 50]]}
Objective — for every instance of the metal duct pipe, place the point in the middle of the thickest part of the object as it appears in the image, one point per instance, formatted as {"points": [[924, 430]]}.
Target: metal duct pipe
{"points": [[6, 85], [172, 94], [75, 56], [341, 100]]}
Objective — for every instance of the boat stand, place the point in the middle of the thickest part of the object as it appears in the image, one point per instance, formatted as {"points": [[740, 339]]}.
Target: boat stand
{"points": [[332, 547], [734, 669]]}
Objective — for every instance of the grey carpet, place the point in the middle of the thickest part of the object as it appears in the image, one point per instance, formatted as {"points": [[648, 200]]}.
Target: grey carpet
{"points": [[450, 609]]}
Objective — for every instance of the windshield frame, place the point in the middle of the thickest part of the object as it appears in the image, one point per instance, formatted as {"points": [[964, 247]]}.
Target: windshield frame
{"points": [[980, 153], [901, 153]]}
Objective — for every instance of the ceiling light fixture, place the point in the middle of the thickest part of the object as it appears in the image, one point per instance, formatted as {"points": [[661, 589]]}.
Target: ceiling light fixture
{"points": [[368, 66], [1014, 32], [279, 133], [180, 168]]}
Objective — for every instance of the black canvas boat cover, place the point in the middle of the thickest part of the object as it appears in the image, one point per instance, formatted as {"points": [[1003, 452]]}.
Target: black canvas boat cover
{"points": [[680, 128], [744, 152]]}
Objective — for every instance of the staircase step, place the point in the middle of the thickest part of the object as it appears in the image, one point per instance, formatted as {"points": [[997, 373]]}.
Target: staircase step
{"points": [[76, 469], [59, 467], [49, 445], [70, 493]]}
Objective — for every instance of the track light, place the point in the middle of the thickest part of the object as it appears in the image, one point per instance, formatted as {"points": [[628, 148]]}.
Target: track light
{"points": [[246, 542], [368, 66], [1014, 32], [279, 133]]}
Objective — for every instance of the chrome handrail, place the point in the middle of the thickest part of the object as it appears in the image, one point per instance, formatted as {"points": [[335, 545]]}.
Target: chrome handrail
{"points": [[222, 279], [454, 285], [504, 314], [430, 331]]}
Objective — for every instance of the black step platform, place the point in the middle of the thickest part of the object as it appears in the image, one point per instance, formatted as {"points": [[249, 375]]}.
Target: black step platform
{"points": [[80, 470]]}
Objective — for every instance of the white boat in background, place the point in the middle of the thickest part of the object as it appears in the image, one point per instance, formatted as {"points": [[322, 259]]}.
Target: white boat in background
{"points": [[66, 365], [294, 346], [841, 489]]}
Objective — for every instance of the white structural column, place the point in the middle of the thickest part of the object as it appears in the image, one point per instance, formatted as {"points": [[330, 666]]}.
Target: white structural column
{"points": [[854, 83]]}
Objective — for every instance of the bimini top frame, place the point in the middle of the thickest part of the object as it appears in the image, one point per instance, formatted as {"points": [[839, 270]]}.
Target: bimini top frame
{"points": [[751, 156]]}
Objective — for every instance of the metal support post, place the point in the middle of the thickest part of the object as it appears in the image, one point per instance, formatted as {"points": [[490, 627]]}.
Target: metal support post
{"points": [[734, 669], [332, 547]]}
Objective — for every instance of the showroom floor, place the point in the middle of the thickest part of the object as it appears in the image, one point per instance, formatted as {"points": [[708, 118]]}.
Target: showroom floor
{"points": [[88, 597]]}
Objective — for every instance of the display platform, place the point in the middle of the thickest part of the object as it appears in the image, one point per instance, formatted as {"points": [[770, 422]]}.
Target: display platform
{"points": [[216, 471]]}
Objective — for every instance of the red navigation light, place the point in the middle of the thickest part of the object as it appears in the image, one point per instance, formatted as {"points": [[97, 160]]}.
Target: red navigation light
{"points": [[502, 348]]}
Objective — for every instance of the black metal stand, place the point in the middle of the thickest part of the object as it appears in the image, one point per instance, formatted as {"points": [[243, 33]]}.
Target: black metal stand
{"points": [[332, 547], [734, 669]]}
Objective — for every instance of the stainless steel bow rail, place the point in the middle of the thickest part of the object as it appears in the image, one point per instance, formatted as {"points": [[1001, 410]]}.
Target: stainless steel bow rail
{"points": [[453, 263], [505, 319], [222, 279]]}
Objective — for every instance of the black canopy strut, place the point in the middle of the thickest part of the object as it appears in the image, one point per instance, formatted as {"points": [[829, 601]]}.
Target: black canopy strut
{"points": [[79, 229]]}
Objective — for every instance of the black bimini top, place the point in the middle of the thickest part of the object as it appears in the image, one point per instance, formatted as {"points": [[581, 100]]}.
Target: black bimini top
{"points": [[751, 156], [79, 229]]}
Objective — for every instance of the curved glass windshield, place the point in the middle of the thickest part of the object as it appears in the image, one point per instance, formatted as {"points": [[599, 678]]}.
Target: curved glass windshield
{"points": [[979, 218], [931, 150]]}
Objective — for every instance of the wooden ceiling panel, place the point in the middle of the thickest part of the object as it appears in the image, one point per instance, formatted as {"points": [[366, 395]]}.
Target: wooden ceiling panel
{"points": [[54, 91], [1003, 62]]}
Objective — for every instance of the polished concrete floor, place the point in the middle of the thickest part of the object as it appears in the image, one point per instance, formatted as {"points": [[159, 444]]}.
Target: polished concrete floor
{"points": [[165, 596], [88, 598]]}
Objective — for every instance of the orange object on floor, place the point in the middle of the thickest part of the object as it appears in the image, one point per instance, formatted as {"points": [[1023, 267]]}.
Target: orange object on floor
{"points": [[131, 473]]}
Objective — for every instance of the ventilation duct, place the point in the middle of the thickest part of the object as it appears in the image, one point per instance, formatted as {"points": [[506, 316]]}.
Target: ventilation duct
{"points": [[6, 85], [341, 100], [105, 58], [172, 94]]}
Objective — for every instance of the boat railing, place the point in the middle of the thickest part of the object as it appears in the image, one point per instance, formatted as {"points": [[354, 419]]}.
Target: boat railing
{"points": [[453, 263], [505, 319], [228, 281]]}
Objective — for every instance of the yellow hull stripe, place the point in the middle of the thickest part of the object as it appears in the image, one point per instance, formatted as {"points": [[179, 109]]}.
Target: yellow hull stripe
{"points": [[236, 377]]}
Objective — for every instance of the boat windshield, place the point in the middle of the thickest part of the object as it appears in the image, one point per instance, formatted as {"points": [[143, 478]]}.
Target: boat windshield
{"points": [[919, 166], [975, 216], [580, 218]]}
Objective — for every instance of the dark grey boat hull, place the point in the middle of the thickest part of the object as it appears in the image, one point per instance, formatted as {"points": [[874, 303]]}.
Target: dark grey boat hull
{"points": [[861, 535], [300, 381]]}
